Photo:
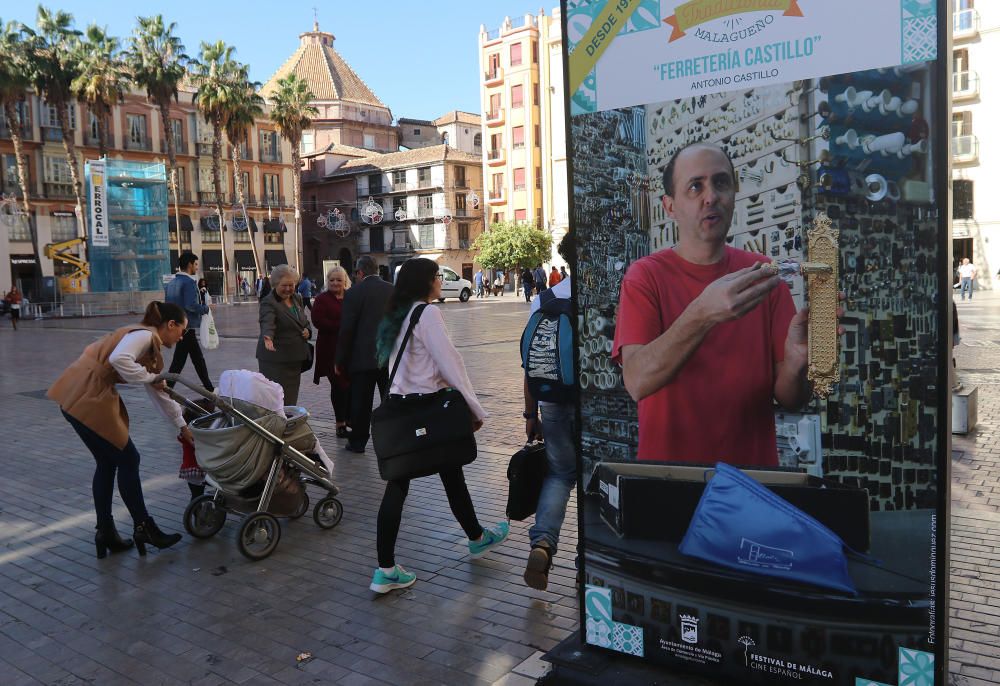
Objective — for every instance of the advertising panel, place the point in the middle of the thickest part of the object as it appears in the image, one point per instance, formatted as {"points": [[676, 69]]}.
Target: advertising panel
{"points": [[98, 203], [760, 202]]}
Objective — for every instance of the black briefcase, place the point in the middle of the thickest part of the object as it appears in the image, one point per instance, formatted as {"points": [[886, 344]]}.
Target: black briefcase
{"points": [[525, 474]]}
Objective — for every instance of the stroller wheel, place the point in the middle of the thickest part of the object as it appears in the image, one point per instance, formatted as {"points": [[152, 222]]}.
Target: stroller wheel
{"points": [[203, 518], [259, 535], [328, 512], [303, 508]]}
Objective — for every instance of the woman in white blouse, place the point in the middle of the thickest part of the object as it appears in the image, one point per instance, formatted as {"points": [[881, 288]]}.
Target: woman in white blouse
{"points": [[429, 363], [87, 396]]}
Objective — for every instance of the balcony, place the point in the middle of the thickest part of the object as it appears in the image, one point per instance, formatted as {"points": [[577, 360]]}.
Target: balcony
{"points": [[398, 247], [94, 141], [466, 212], [461, 183], [270, 156], [210, 198], [964, 149], [965, 24], [179, 147], [464, 243], [497, 197], [425, 213], [183, 198], [494, 77], [51, 134], [204, 149], [58, 190], [400, 186], [495, 157], [268, 200], [26, 132], [964, 85], [495, 118], [143, 144]]}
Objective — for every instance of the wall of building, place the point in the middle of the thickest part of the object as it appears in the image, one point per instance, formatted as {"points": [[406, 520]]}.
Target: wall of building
{"points": [[977, 34]]}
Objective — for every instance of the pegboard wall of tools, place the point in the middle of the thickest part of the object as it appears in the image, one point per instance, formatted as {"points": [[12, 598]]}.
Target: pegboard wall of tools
{"points": [[854, 146]]}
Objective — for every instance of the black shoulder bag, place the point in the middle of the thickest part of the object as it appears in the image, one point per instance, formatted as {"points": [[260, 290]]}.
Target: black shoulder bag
{"points": [[421, 434]]}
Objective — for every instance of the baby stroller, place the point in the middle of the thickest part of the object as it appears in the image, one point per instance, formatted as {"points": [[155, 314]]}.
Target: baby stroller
{"points": [[256, 461]]}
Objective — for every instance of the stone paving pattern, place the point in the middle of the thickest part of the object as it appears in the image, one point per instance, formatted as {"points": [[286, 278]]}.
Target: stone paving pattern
{"points": [[199, 613]]}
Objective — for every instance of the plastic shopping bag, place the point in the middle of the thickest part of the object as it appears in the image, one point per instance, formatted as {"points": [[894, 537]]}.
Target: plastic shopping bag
{"points": [[208, 333]]}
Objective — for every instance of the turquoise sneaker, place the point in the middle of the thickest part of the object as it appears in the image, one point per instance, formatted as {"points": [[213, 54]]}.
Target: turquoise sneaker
{"points": [[492, 537], [400, 578]]}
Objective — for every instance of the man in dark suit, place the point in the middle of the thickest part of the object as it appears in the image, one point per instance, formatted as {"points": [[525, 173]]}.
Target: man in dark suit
{"points": [[364, 305]]}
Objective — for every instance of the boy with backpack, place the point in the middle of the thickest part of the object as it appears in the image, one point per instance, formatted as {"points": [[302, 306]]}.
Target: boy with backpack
{"points": [[550, 384]]}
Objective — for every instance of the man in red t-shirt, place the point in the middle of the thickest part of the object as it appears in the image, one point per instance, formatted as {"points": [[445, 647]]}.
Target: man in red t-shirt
{"points": [[706, 338]]}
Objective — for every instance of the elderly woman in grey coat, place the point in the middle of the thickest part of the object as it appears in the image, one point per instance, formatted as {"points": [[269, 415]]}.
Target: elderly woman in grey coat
{"points": [[284, 333]]}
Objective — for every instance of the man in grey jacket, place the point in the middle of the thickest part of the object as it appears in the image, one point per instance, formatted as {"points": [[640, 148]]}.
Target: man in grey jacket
{"points": [[364, 306], [183, 291]]}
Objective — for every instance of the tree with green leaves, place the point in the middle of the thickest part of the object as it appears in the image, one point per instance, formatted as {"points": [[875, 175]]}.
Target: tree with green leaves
{"points": [[15, 80], [244, 108], [102, 78], [292, 114], [156, 59], [54, 66], [212, 76], [511, 245]]}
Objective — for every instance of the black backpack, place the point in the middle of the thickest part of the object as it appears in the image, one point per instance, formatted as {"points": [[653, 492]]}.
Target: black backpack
{"points": [[547, 350]]}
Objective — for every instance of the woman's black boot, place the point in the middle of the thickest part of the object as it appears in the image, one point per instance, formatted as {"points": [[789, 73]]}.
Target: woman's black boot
{"points": [[107, 540], [148, 532]]}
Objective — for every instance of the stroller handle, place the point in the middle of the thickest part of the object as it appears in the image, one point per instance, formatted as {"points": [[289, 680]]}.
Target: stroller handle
{"points": [[217, 400]]}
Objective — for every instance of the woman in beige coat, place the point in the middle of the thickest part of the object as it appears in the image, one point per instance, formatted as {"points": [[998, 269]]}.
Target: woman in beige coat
{"points": [[90, 403]]}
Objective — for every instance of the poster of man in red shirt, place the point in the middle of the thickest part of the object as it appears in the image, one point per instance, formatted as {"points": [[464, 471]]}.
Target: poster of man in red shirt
{"points": [[704, 334]]}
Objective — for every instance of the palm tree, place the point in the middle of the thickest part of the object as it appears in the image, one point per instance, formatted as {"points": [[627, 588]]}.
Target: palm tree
{"points": [[212, 75], [157, 61], [292, 113], [245, 106], [54, 66], [15, 80], [102, 80]]}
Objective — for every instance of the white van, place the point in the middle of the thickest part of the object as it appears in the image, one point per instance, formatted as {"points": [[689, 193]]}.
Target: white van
{"points": [[452, 285]]}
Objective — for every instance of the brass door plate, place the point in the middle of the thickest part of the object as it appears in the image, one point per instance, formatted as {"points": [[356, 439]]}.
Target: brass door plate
{"points": [[821, 287]]}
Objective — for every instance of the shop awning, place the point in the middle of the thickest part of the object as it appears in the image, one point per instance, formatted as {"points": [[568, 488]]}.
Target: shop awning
{"points": [[274, 226], [272, 258], [210, 222], [186, 224], [244, 261], [211, 260]]}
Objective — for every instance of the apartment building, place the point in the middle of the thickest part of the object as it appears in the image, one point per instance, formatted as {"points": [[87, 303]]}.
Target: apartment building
{"points": [[426, 202], [138, 135], [460, 130], [349, 112], [524, 123], [975, 207]]}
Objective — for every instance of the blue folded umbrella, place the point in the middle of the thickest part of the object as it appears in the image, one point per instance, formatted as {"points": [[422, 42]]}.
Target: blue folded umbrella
{"points": [[742, 525]]}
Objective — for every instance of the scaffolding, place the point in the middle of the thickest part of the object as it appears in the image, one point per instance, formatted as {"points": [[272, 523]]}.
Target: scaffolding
{"points": [[138, 256]]}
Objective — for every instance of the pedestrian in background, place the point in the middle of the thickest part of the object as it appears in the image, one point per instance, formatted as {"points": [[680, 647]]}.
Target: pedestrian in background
{"points": [[966, 274], [541, 280], [364, 305], [480, 291], [562, 272], [265, 288], [184, 290], [285, 331], [527, 283], [327, 312], [498, 284], [429, 363], [554, 277], [14, 301], [306, 291], [89, 401]]}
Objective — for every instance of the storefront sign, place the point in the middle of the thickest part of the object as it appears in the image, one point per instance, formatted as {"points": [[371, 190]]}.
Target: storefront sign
{"points": [[822, 154], [98, 204]]}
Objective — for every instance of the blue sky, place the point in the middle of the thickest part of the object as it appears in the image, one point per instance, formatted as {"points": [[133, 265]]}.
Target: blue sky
{"points": [[420, 58]]}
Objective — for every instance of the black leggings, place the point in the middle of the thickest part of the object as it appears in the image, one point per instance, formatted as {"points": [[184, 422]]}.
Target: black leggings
{"points": [[391, 512], [340, 398]]}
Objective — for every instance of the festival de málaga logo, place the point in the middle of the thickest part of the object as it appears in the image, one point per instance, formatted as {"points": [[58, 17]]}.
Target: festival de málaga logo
{"points": [[696, 14]]}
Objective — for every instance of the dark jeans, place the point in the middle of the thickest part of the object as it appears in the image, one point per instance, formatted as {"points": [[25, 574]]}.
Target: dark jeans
{"points": [[340, 398], [391, 512], [110, 460], [189, 346], [363, 385], [528, 289]]}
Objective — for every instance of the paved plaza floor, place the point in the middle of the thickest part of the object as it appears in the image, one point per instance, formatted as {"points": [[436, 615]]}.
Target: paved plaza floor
{"points": [[200, 613]]}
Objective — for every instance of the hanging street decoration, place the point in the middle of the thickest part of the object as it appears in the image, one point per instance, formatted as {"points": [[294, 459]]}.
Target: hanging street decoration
{"points": [[473, 198], [446, 219], [9, 210], [372, 212], [399, 214]]}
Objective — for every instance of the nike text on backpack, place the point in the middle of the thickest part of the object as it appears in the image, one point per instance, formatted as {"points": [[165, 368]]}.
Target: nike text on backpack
{"points": [[547, 350]]}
